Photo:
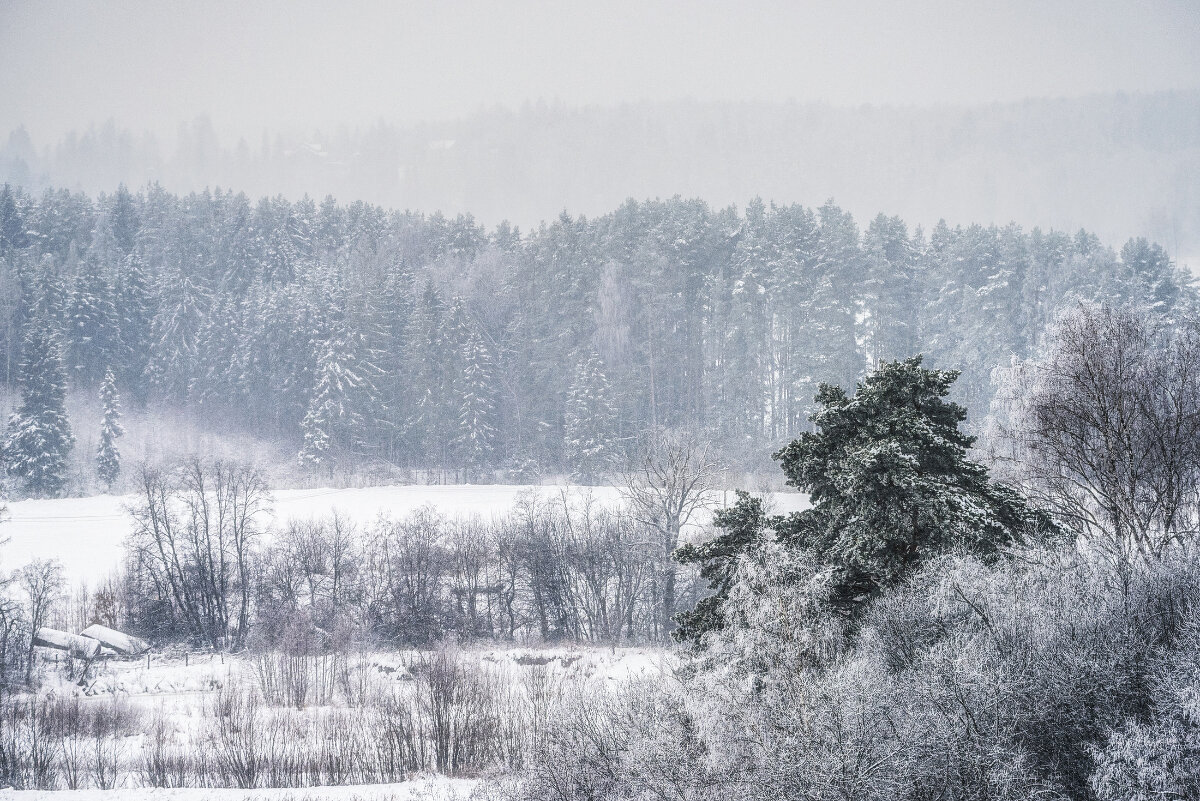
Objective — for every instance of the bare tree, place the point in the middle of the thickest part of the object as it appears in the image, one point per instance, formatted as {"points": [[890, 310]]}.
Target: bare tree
{"points": [[1104, 429], [12, 636], [42, 582], [408, 567], [670, 480], [195, 530], [11, 620]]}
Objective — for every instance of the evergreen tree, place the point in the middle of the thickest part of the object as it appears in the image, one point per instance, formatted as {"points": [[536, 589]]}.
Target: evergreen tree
{"points": [[742, 527], [890, 483], [476, 439], [891, 295], [135, 320], [428, 422], [39, 437], [341, 399], [1150, 274], [12, 224], [174, 332], [92, 325], [108, 458], [123, 220], [590, 421]]}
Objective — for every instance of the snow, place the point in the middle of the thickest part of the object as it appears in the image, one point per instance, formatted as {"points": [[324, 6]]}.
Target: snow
{"points": [[429, 788], [119, 641], [181, 689], [84, 647], [86, 534]]}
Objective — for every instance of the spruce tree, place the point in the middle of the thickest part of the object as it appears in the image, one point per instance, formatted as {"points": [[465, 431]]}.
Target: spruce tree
{"points": [[428, 419], [39, 436], [12, 226], [590, 421], [93, 337], [342, 398], [476, 438], [108, 458], [136, 311], [123, 217]]}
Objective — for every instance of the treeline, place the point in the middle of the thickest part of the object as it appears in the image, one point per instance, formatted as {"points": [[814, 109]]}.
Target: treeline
{"points": [[356, 333], [204, 568], [1118, 164]]}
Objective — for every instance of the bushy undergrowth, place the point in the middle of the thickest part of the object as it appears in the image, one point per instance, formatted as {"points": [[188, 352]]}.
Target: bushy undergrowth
{"points": [[1045, 675], [447, 713]]}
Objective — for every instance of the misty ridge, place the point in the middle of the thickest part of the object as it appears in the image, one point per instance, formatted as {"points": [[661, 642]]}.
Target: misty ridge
{"points": [[1120, 165]]}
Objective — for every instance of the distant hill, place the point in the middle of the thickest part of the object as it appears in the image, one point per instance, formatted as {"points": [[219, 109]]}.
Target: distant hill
{"points": [[1121, 165]]}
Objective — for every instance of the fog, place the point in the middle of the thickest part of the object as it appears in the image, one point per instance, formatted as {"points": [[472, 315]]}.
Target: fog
{"points": [[278, 65], [520, 110]]}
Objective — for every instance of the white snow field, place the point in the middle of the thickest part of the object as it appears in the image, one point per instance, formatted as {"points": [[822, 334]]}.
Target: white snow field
{"points": [[181, 690], [86, 534], [430, 788]]}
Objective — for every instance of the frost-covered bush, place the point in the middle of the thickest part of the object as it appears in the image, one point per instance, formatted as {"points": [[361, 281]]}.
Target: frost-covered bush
{"points": [[1047, 674], [1158, 758], [636, 742]]}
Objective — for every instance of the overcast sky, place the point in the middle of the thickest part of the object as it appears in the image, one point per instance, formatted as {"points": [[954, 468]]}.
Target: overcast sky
{"points": [[289, 65]]}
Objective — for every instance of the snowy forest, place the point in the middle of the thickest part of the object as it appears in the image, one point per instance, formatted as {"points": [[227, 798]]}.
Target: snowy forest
{"points": [[402, 344], [988, 589], [779, 400]]}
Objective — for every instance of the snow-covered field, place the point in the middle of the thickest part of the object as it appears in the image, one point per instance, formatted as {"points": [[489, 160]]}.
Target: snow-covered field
{"points": [[181, 691], [170, 681], [432, 788], [86, 534]]}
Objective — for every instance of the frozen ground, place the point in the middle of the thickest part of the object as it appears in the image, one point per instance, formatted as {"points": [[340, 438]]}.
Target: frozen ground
{"points": [[177, 685], [168, 688], [86, 534], [432, 788]]}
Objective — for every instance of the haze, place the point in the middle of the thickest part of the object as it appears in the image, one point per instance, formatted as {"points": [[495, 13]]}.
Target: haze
{"points": [[283, 66]]}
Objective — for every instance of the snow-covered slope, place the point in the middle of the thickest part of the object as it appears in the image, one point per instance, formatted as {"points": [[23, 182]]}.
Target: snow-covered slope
{"points": [[86, 534]]}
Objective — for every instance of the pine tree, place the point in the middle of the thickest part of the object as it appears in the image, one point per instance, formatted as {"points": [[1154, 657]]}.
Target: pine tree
{"points": [[108, 458], [890, 483], [476, 438], [590, 421], [742, 527], [39, 436]]}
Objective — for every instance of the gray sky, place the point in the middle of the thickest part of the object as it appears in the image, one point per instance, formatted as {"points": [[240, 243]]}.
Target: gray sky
{"points": [[276, 65]]}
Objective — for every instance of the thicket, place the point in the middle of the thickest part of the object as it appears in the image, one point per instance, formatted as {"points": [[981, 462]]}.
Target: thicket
{"points": [[444, 711], [202, 569]]}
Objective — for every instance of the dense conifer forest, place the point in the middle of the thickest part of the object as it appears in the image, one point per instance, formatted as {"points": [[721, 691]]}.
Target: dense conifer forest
{"points": [[357, 335]]}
